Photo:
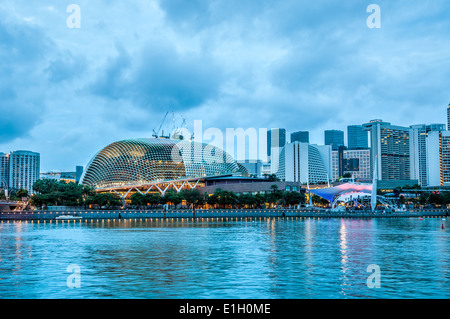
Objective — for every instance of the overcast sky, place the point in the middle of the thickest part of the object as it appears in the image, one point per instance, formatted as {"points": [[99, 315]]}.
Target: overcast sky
{"points": [[302, 65]]}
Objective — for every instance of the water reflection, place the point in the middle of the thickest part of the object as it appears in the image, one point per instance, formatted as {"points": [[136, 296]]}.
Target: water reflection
{"points": [[225, 258]]}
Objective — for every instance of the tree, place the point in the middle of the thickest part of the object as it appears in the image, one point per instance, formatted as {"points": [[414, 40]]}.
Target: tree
{"points": [[294, 198], [138, 199], [193, 197], [173, 197], [152, 199], [272, 177], [247, 200], [21, 193]]}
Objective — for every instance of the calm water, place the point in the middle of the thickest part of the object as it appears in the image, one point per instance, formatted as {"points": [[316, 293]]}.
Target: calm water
{"points": [[272, 258]]}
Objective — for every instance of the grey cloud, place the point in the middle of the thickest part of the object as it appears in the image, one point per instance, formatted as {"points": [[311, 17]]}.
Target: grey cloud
{"points": [[23, 50], [160, 78], [65, 66]]}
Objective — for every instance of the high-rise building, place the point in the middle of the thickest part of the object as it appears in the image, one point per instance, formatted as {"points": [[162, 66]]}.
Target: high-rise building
{"points": [[390, 147], [24, 169], [4, 170], [448, 117], [357, 137], [300, 136], [275, 138], [335, 138], [418, 150], [252, 166], [438, 158], [352, 161], [78, 173], [305, 163]]}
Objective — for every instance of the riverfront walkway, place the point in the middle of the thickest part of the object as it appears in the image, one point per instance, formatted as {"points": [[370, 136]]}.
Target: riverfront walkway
{"points": [[216, 213]]}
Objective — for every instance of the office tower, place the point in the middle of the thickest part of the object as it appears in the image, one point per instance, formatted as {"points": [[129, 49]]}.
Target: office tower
{"points": [[23, 170], [253, 167], [300, 136], [335, 138], [357, 137], [438, 158], [78, 173], [448, 117], [418, 150], [275, 138], [4, 170], [352, 161], [390, 147], [305, 163]]}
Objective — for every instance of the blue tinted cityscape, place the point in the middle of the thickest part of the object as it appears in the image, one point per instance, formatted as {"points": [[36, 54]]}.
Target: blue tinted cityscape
{"points": [[224, 150]]}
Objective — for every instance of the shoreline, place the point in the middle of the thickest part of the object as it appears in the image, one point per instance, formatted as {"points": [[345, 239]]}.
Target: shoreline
{"points": [[214, 213]]}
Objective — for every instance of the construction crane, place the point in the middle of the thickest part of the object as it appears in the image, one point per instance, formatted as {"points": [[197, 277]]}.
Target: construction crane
{"points": [[155, 133]]}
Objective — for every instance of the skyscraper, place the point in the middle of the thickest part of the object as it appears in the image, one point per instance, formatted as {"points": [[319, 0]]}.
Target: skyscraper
{"points": [[300, 136], [353, 161], [335, 138], [24, 169], [438, 158], [357, 137], [418, 150], [390, 147], [4, 170], [448, 117], [276, 138]]}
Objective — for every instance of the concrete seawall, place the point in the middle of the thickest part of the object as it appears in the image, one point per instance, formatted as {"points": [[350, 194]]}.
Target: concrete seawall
{"points": [[219, 213]]}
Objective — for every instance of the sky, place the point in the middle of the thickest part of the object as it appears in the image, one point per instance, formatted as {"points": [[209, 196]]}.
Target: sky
{"points": [[300, 65]]}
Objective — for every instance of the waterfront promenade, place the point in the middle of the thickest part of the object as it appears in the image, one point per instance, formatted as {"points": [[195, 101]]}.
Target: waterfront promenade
{"points": [[214, 213]]}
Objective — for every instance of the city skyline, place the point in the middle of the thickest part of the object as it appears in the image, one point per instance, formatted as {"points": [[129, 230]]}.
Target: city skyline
{"points": [[68, 92]]}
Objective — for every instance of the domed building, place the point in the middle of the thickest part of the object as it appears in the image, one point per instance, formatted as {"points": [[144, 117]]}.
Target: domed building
{"points": [[146, 164]]}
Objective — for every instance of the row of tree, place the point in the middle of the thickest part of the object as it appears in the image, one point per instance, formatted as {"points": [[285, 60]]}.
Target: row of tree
{"points": [[60, 193], [219, 199]]}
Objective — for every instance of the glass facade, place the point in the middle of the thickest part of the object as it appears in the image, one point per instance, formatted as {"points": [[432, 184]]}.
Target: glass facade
{"points": [[300, 136], [151, 160], [357, 137], [335, 138]]}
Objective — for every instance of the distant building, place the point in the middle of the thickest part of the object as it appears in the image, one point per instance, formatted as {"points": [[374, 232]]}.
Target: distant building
{"points": [[68, 177], [24, 169], [418, 150], [275, 138], [352, 161], [300, 136], [253, 167], [357, 137], [305, 163], [448, 117], [266, 169], [438, 158], [4, 170], [78, 173], [390, 147], [335, 138]]}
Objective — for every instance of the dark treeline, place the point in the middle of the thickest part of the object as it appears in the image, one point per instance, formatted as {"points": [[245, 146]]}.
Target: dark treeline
{"points": [[60, 193], [219, 199]]}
